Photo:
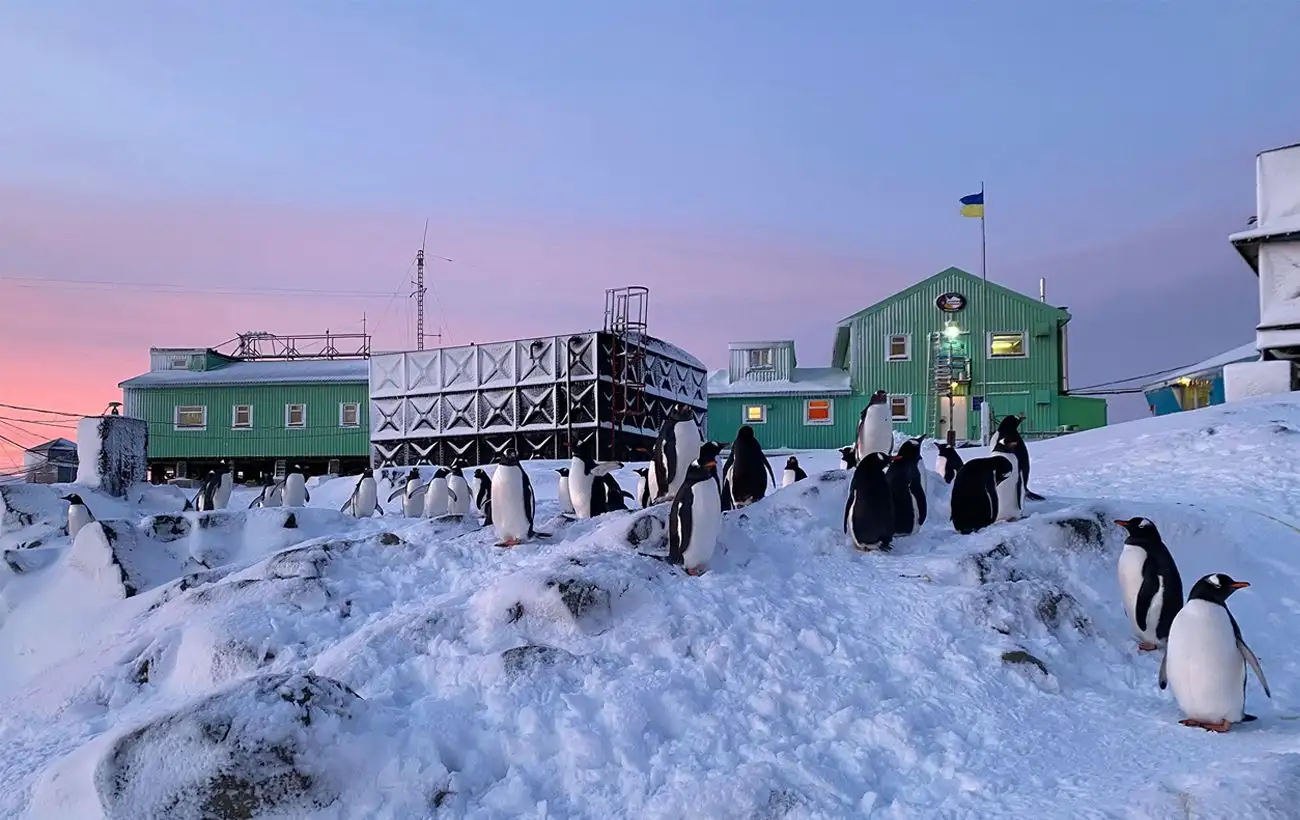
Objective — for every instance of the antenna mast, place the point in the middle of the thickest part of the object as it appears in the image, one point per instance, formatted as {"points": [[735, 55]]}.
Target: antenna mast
{"points": [[419, 290]]}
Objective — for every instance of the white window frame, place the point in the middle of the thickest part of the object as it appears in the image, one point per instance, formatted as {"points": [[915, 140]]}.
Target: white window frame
{"points": [[176, 417], [288, 412], [830, 413], [744, 414], [907, 403], [178, 361], [234, 417], [343, 405], [1024, 344], [766, 354], [907, 347]]}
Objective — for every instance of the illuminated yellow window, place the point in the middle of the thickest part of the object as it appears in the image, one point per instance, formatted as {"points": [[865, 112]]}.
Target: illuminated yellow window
{"points": [[755, 414], [1006, 345]]}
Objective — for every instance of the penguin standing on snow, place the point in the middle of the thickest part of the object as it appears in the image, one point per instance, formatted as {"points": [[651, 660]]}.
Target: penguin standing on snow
{"points": [[296, 493], [792, 472], [642, 487], [412, 498], [272, 494], [1011, 490], [746, 470], [848, 458], [225, 486], [483, 499], [78, 514], [975, 493], [205, 499], [948, 462], [365, 497], [1205, 658], [695, 517], [1149, 583], [583, 472], [458, 489], [869, 510], [607, 495], [1008, 440], [513, 503], [677, 447], [562, 492], [907, 488], [437, 496], [875, 427]]}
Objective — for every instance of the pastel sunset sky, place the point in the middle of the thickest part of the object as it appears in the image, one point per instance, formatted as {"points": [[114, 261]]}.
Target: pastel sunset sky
{"points": [[764, 167]]}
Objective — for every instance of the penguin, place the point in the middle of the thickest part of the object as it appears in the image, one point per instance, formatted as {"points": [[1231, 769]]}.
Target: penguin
{"points": [[1205, 658], [1008, 440], [1011, 490], [483, 499], [562, 492], [695, 517], [412, 498], [296, 493], [205, 499], [642, 486], [272, 494], [948, 462], [365, 497], [869, 509], [746, 470], [974, 499], [875, 427], [79, 514], [848, 458], [458, 489], [437, 495], [676, 448], [513, 503], [792, 473], [1149, 583], [907, 488], [225, 486], [583, 472]]}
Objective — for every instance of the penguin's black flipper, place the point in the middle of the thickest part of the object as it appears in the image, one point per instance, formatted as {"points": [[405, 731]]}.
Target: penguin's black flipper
{"points": [[306, 494], [397, 492], [1163, 678], [381, 509], [1033, 496], [1248, 718]]}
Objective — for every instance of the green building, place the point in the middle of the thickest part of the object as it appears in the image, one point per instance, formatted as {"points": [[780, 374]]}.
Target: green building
{"points": [[261, 416], [941, 349]]}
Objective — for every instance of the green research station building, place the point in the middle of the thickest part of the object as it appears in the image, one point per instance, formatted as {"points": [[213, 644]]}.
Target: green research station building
{"points": [[941, 349]]}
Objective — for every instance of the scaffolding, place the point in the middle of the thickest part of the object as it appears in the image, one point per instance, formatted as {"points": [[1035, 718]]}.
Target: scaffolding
{"points": [[259, 345], [626, 311]]}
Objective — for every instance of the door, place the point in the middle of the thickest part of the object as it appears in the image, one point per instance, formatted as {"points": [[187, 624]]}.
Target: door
{"points": [[953, 415]]}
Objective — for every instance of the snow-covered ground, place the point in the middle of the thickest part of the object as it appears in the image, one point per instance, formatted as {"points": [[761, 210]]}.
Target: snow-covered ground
{"points": [[391, 668]]}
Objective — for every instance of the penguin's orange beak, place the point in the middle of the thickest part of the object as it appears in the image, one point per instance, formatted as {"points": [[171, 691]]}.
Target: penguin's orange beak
{"points": [[1239, 584], [1122, 522], [711, 463]]}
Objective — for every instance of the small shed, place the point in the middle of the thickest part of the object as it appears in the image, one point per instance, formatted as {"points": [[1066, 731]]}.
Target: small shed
{"points": [[53, 462], [1196, 386]]}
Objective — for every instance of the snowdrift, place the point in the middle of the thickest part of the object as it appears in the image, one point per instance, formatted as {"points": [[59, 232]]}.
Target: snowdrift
{"points": [[394, 668]]}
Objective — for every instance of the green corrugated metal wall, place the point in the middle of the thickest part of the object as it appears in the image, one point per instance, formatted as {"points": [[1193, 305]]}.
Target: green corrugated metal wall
{"points": [[1084, 412], [784, 428], [268, 437]]}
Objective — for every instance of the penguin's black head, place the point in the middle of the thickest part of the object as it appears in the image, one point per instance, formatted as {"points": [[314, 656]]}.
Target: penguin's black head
{"points": [[480, 474], [878, 397], [909, 450], [1010, 426], [874, 461], [455, 470], [1216, 587], [644, 472], [564, 471], [73, 498], [681, 413], [792, 463], [441, 472], [1140, 530], [367, 473], [709, 450], [510, 458], [414, 475], [946, 449], [745, 433]]}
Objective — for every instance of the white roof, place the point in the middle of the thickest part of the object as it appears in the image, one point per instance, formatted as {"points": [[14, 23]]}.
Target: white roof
{"points": [[672, 351], [759, 345], [290, 372], [1241, 353], [806, 380]]}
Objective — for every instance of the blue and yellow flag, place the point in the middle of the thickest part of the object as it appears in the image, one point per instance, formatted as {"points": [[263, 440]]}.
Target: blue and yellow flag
{"points": [[973, 205]]}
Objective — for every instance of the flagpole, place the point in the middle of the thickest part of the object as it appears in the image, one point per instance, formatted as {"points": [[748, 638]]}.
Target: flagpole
{"points": [[984, 247]]}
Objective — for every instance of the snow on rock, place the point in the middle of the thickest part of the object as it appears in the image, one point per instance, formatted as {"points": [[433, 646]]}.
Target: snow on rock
{"points": [[112, 453]]}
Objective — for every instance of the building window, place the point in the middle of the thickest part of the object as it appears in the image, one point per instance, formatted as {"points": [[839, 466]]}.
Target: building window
{"points": [[755, 414], [333, 467], [350, 414], [760, 359], [1007, 345], [191, 417], [818, 412], [900, 408], [295, 415], [898, 348], [241, 416], [179, 361]]}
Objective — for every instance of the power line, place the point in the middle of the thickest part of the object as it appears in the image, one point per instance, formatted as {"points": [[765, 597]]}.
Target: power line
{"points": [[1133, 378], [42, 410], [39, 282]]}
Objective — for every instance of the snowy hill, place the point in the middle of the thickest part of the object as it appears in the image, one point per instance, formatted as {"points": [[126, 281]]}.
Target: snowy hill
{"points": [[391, 668]]}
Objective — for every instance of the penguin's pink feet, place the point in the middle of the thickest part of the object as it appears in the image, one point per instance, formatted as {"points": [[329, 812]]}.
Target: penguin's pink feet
{"points": [[1143, 646], [509, 542], [696, 571], [1220, 727]]}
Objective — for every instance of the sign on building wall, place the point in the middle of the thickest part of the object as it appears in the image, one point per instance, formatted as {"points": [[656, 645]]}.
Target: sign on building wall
{"points": [[950, 302]]}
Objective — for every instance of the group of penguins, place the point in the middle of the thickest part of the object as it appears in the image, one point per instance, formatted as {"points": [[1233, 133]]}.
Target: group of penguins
{"points": [[215, 489]]}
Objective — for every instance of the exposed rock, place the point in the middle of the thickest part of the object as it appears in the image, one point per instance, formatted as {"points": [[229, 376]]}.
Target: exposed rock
{"points": [[167, 528], [582, 598], [648, 531], [1020, 656], [26, 560], [388, 539], [301, 562], [531, 657], [1056, 607], [834, 475], [780, 802], [1084, 532]]}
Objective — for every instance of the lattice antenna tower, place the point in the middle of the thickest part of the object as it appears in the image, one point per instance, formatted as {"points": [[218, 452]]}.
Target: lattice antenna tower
{"points": [[420, 290]]}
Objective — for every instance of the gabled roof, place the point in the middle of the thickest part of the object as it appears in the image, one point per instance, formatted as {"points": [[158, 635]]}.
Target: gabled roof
{"points": [[991, 287], [53, 444]]}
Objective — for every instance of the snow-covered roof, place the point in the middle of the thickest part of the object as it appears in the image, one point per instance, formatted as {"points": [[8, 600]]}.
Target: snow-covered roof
{"points": [[53, 444], [806, 380], [759, 345], [291, 372], [1241, 353], [670, 350]]}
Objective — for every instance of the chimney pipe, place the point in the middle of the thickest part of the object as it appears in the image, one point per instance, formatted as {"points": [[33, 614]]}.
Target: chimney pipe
{"points": [[1042, 289]]}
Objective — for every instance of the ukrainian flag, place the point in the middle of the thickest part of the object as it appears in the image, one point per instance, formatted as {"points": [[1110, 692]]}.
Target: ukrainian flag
{"points": [[973, 205]]}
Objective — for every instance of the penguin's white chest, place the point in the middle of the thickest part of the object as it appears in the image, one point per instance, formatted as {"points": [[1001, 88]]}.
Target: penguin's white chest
{"points": [[458, 487], [787, 478], [688, 444], [367, 495], [1205, 669], [642, 490], [509, 517], [1131, 561], [941, 465], [436, 498], [562, 495], [274, 497], [222, 495], [78, 517], [412, 500], [877, 432], [706, 524], [579, 489], [1009, 495], [295, 490]]}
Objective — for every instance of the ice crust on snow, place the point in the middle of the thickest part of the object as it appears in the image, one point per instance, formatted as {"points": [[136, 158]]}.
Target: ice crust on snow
{"points": [[394, 668]]}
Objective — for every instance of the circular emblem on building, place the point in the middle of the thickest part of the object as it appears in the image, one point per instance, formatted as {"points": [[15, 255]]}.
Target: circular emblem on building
{"points": [[950, 302]]}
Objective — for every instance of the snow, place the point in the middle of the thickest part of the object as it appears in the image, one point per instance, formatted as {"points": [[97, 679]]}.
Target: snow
{"points": [[810, 380], [1246, 380], [272, 372], [393, 668]]}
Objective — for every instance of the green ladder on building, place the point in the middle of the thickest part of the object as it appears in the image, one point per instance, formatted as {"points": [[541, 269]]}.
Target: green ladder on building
{"points": [[947, 367]]}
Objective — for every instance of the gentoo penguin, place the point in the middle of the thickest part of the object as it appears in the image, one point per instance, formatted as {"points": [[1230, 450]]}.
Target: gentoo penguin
{"points": [[948, 462], [1149, 583], [412, 498], [583, 471], [437, 495], [295, 488], [483, 498], [907, 488], [1205, 658], [205, 499], [78, 514], [1011, 490], [1008, 440], [745, 472], [272, 494], [975, 493], [458, 489], [607, 495], [642, 487], [792, 472], [848, 458], [875, 427], [695, 517], [869, 509], [225, 486], [365, 497], [562, 492], [513, 503], [676, 448]]}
